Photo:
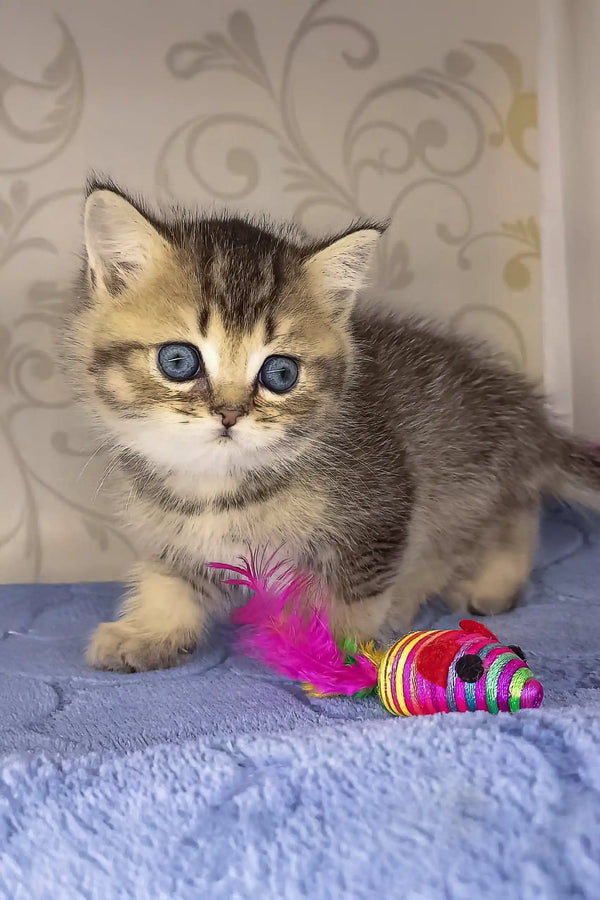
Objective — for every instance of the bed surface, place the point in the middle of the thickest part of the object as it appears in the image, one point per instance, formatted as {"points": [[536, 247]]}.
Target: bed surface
{"points": [[219, 779]]}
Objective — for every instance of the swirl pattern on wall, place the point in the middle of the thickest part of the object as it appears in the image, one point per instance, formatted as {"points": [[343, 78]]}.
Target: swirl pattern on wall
{"points": [[370, 142]]}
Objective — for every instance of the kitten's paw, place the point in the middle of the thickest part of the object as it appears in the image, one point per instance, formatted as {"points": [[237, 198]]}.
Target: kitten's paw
{"points": [[118, 647], [492, 606]]}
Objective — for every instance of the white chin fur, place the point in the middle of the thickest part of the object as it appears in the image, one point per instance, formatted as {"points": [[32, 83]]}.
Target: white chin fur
{"points": [[199, 447]]}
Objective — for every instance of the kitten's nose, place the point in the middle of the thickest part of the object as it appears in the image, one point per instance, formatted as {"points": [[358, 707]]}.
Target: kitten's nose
{"points": [[229, 415]]}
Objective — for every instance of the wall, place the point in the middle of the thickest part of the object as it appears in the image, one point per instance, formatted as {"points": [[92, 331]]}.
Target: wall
{"points": [[420, 112], [570, 187]]}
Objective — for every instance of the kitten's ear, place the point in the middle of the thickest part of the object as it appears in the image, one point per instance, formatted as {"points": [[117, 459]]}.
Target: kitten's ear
{"points": [[341, 268], [121, 244]]}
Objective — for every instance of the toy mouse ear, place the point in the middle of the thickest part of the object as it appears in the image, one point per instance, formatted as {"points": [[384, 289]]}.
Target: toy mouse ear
{"points": [[472, 627], [435, 659]]}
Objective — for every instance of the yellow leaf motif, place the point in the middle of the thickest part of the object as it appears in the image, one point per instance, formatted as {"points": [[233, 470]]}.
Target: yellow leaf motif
{"points": [[516, 274]]}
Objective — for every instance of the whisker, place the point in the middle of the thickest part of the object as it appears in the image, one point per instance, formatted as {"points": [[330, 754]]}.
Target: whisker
{"points": [[102, 446]]}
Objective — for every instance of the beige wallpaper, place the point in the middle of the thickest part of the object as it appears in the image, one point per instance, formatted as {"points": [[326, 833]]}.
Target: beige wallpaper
{"points": [[420, 112]]}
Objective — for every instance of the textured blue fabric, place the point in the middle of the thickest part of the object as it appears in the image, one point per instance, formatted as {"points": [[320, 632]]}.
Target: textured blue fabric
{"points": [[220, 780]]}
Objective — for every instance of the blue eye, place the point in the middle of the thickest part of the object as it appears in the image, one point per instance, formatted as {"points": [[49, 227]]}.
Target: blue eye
{"points": [[179, 362], [279, 374]]}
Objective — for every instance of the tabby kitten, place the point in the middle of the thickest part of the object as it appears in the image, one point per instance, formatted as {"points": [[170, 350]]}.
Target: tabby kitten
{"points": [[250, 405]]}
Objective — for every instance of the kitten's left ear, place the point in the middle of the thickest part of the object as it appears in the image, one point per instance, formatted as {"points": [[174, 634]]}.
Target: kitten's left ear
{"points": [[121, 244], [341, 268]]}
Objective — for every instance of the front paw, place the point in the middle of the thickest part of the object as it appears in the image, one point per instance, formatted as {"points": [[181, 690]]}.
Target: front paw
{"points": [[120, 647]]}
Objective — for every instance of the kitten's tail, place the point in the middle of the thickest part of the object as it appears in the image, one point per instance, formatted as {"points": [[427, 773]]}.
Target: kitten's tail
{"points": [[577, 476]]}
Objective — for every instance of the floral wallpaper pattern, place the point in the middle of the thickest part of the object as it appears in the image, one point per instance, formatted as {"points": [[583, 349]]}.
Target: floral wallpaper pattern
{"points": [[322, 111]]}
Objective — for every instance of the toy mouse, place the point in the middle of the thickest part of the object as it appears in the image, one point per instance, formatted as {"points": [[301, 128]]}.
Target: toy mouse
{"points": [[424, 672]]}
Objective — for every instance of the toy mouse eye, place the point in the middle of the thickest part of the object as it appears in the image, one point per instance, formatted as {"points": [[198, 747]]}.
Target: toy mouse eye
{"points": [[469, 668], [517, 651]]}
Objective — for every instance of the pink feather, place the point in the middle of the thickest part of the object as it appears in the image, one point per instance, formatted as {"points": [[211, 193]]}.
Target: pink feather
{"points": [[290, 636]]}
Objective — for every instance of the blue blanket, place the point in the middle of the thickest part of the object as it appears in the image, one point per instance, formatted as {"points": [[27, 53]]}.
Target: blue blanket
{"points": [[221, 780]]}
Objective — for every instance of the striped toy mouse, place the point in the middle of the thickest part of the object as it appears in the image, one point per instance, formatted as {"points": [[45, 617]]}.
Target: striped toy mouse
{"points": [[425, 672]]}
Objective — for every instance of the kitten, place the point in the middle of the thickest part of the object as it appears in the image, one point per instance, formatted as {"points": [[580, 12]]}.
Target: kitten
{"points": [[250, 405]]}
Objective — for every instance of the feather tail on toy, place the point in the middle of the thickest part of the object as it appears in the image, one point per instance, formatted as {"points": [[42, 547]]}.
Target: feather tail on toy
{"points": [[293, 637]]}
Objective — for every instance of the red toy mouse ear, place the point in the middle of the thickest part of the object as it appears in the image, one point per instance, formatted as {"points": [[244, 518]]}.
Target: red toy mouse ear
{"points": [[434, 660], [472, 627]]}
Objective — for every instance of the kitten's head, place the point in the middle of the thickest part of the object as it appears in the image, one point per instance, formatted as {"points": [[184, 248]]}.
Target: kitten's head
{"points": [[212, 344]]}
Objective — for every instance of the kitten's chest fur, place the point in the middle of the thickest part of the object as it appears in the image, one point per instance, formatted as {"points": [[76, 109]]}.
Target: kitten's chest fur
{"points": [[198, 521]]}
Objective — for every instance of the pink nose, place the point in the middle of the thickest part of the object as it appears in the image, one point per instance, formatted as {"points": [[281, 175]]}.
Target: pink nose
{"points": [[229, 415], [532, 694]]}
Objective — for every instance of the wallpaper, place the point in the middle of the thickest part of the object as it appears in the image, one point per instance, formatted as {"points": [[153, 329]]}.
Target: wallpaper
{"points": [[420, 113]]}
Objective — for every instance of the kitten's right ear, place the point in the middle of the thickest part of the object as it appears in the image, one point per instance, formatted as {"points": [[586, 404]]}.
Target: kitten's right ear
{"points": [[340, 269], [121, 243]]}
